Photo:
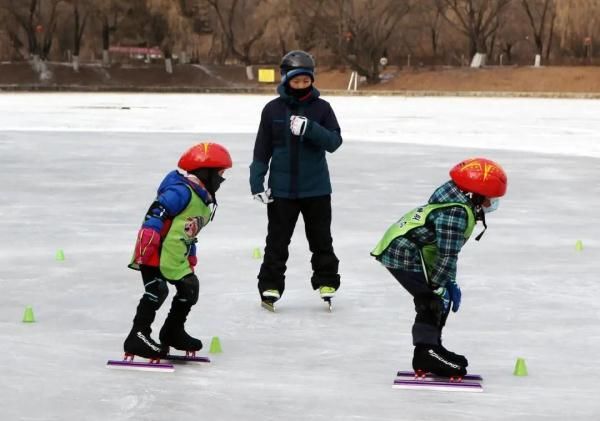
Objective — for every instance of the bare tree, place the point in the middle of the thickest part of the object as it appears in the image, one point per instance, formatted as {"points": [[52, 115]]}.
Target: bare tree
{"points": [[109, 14], [14, 46], [81, 10], [303, 16], [430, 20], [241, 26], [37, 21], [541, 16], [478, 20], [512, 34], [360, 31]]}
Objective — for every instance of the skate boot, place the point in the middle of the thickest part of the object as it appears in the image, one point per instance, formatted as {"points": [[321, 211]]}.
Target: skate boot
{"points": [[139, 343], [431, 359], [179, 339], [457, 358], [269, 297], [326, 293], [173, 334]]}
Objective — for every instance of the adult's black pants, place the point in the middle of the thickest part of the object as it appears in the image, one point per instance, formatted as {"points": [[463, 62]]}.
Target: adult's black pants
{"points": [[283, 215]]}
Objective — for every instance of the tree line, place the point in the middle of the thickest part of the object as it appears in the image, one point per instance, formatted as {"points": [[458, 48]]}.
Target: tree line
{"points": [[361, 34]]}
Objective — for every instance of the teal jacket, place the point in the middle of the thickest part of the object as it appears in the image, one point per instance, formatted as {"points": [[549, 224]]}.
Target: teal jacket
{"points": [[297, 165]]}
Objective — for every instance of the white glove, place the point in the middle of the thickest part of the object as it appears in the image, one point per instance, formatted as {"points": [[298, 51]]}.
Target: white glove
{"points": [[298, 125], [264, 197]]}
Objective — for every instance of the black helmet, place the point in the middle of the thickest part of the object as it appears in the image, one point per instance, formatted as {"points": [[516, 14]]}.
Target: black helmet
{"points": [[296, 63]]}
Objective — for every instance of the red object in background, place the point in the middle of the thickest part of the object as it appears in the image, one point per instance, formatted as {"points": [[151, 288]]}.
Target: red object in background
{"points": [[39, 29]]}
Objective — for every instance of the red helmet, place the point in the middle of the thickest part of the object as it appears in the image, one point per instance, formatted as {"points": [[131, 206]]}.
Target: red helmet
{"points": [[481, 176], [205, 155]]}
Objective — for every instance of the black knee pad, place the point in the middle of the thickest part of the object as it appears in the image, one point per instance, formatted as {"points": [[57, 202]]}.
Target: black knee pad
{"points": [[163, 291], [188, 289], [156, 291]]}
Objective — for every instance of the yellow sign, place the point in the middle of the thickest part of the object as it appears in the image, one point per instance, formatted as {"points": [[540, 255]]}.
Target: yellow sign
{"points": [[266, 75]]}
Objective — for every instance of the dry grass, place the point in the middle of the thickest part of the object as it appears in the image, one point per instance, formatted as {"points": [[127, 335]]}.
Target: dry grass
{"points": [[491, 79], [581, 79]]}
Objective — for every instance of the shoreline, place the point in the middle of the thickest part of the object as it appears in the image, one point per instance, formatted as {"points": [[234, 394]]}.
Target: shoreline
{"points": [[270, 91]]}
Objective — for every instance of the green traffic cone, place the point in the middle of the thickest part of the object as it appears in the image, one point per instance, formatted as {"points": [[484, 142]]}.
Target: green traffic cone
{"points": [[28, 315], [578, 245], [215, 345], [520, 368], [256, 253], [60, 255]]}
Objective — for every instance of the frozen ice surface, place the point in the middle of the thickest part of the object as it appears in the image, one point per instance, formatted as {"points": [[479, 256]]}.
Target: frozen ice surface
{"points": [[78, 171]]}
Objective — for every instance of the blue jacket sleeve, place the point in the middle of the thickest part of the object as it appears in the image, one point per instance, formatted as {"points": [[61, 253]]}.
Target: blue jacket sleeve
{"points": [[263, 150], [326, 134], [173, 200]]}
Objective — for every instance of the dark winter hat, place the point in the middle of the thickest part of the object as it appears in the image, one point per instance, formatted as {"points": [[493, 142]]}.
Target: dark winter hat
{"points": [[296, 63]]}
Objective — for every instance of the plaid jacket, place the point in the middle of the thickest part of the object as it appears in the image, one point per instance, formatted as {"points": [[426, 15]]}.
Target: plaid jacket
{"points": [[445, 227]]}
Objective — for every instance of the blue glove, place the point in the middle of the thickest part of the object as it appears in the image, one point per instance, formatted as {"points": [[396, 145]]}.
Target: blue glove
{"points": [[449, 294], [455, 295]]}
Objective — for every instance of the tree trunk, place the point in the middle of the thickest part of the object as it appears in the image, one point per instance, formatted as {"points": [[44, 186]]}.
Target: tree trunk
{"points": [[249, 72], [76, 63], [550, 36], [105, 58]]}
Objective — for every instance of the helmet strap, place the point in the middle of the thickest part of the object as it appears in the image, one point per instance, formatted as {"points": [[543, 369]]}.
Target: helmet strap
{"points": [[480, 216], [477, 201]]}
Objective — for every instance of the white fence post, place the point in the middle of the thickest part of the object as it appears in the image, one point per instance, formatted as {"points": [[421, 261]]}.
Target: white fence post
{"points": [[353, 80]]}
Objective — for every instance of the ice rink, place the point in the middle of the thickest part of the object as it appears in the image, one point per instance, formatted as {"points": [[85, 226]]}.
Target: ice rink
{"points": [[78, 171]]}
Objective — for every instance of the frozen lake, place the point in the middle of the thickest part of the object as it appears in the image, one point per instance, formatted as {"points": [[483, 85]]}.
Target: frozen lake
{"points": [[78, 171]]}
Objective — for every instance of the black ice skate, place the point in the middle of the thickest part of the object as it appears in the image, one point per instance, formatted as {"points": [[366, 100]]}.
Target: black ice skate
{"points": [[140, 343], [268, 299], [179, 339], [173, 334], [452, 356], [431, 359]]}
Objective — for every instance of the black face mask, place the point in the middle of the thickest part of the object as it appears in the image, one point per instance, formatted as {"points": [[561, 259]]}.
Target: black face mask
{"points": [[210, 178], [299, 93]]}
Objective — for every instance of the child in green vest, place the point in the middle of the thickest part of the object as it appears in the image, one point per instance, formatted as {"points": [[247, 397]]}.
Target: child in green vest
{"points": [[165, 251], [421, 252]]}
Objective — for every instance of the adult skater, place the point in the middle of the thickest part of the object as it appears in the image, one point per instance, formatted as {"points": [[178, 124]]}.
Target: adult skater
{"points": [[295, 131]]}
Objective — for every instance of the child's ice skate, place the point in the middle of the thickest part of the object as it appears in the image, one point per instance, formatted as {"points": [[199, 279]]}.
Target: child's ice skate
{"points": [[452, 356], [431, 359], [140, 343], [179, 339], [269, 297]]}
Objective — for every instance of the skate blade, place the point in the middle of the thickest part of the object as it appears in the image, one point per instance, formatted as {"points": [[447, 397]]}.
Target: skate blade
{"points": [[445, 386], [186, 358], [430, 376], [268, 306], [140, 366]]}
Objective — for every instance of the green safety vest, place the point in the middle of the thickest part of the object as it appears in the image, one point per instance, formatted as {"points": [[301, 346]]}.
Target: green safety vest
{"points": [[417, 218], [176, 245]]}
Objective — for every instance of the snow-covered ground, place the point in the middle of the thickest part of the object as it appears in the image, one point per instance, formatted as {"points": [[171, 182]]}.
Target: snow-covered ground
{"points": [[78, 171]]}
